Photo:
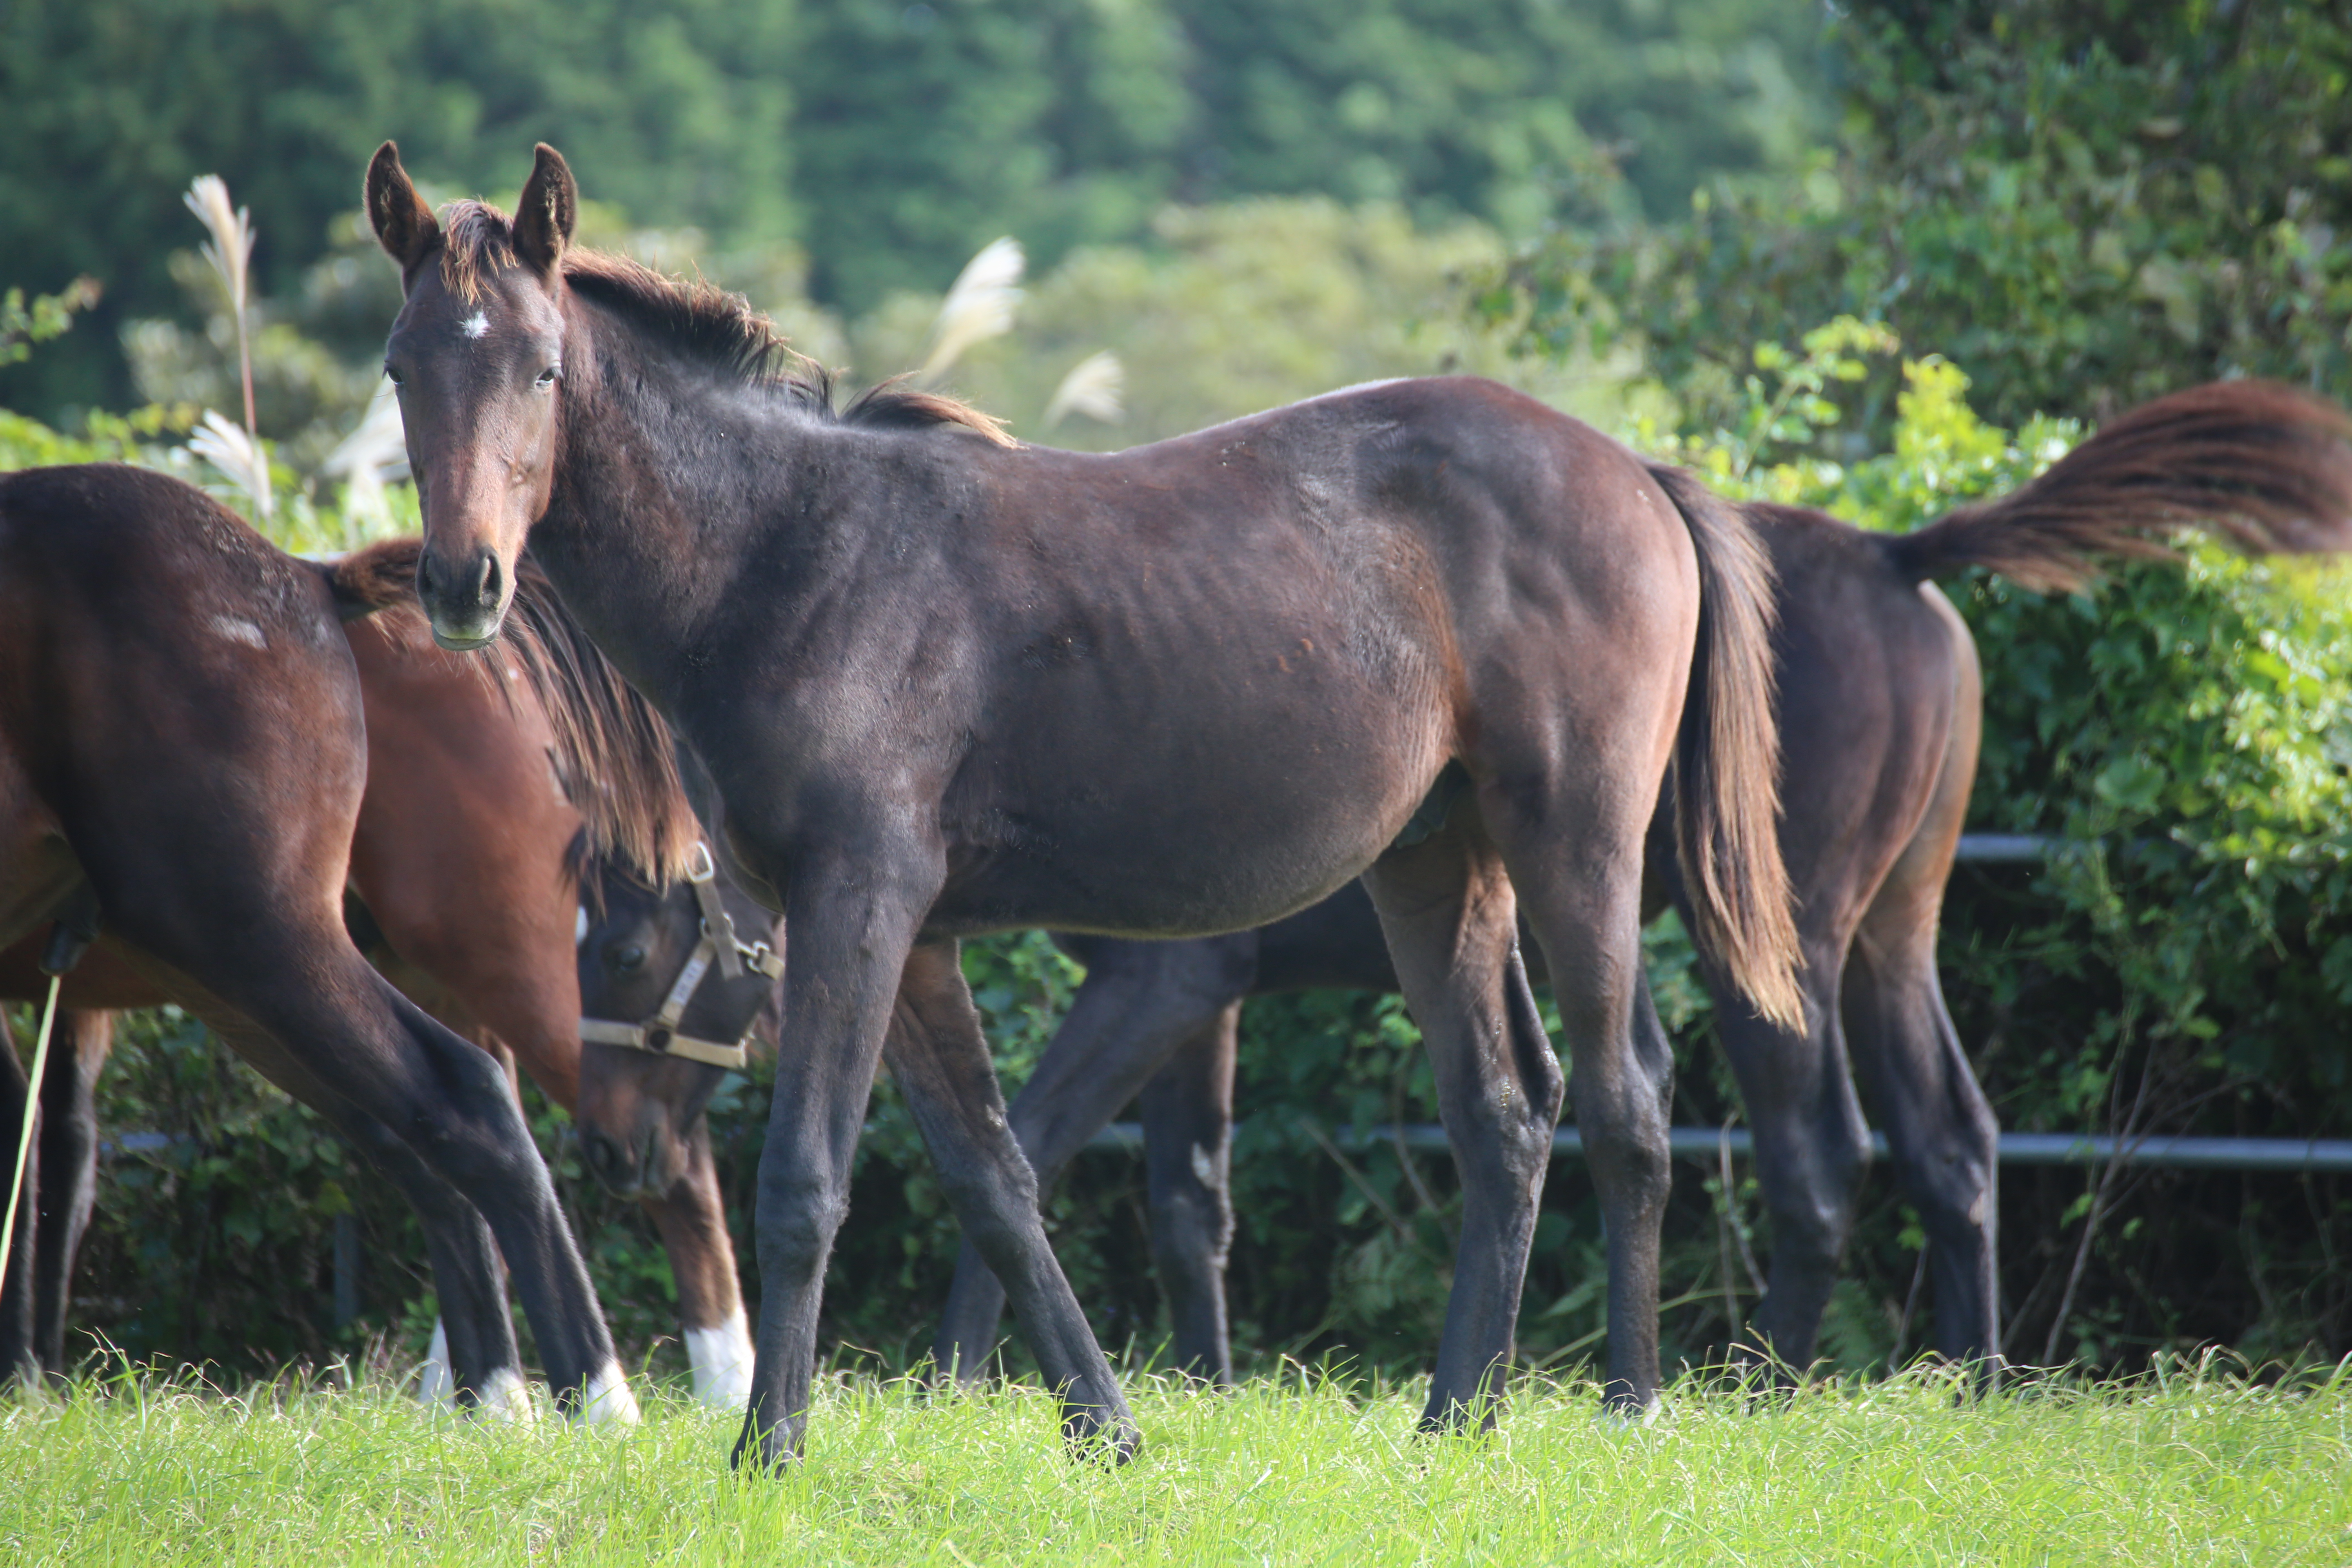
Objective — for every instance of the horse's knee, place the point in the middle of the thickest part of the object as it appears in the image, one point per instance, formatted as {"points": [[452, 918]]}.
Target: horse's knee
{"points": [[1630, 1156], [1952, 1180], [1191, 1229], [798, 1216]]}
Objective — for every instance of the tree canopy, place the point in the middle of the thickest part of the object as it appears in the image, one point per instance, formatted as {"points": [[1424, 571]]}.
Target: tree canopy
{"points": [[888, 140]]}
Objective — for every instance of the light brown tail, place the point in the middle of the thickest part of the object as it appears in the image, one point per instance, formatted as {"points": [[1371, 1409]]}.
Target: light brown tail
{"points": [[2267, 466], [1728, 762]]}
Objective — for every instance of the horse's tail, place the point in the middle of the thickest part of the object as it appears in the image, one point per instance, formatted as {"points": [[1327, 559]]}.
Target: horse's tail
{"points": [[1728, 762], [613, 755], [2267, 466]]}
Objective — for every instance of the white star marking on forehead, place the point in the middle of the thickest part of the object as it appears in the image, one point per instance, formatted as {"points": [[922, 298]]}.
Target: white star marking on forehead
{"points": [[475, 325]]}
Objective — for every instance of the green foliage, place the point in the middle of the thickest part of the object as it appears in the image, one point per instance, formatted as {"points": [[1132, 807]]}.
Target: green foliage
{"points": [[1515, 112], [891, 141], [2085, 203], [109, 108], [48, 316]]}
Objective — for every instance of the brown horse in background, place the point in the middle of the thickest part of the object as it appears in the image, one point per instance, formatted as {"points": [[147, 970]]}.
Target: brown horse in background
{"points": [[949, 684], [465, 880], [182, 756], [1880, 712], [466, 872]]}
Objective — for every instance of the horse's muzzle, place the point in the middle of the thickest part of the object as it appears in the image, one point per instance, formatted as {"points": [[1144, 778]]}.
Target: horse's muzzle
{"points": [[466, 600]]}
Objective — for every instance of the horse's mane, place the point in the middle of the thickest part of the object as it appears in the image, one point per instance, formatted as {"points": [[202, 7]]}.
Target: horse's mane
{"points": [[613, 755], [706, 322]]}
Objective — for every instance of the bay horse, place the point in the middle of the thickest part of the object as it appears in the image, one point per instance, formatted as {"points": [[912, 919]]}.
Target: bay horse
{"points": [[1880, 695], [465, 886], [182, 762], [1430, 633]]}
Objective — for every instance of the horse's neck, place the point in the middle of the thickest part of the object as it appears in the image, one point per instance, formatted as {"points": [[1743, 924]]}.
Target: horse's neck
{"points": [[642, 533]]}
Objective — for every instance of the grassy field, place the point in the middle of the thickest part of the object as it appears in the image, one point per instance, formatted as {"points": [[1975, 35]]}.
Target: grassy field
{"points": [[2183, 1470]]}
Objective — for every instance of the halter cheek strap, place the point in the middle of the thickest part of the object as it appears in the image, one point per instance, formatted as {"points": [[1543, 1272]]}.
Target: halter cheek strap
{"points": [[718, 946]]}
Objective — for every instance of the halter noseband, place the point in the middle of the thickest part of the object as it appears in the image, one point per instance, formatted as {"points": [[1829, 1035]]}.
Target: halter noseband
{"points": [[718, 944]]}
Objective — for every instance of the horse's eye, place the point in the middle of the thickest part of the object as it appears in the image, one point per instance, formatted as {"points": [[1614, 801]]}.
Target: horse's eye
{"points": [[393, 376], [626, 960], [546, 379]]}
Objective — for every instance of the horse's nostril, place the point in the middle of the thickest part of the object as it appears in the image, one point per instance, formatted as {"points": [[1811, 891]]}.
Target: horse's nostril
{"points": [[485, 582], [606, 1158]]}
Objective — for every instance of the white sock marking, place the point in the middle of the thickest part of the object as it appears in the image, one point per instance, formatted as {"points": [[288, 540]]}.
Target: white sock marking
{"points": [[506, 1397], [607, 1398], [435, 1384], [722, 1362]]}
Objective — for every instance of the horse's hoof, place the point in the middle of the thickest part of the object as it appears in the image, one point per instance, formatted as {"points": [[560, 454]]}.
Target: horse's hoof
{"points": [[1110, 1443]]}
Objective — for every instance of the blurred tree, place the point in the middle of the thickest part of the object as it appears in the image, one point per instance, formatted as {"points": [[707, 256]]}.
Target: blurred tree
{"points": [[890, 139], [1514, 112], [1231, 309], [922, 131], [109, 107]]}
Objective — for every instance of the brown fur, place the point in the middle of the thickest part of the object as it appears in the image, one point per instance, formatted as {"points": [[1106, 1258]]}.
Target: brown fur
{"points": [[614, 756], [1728, 761], [2267, 467]]}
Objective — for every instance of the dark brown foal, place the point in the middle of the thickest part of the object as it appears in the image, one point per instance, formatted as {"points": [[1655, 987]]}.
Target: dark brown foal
{"points": [[947, 684]]}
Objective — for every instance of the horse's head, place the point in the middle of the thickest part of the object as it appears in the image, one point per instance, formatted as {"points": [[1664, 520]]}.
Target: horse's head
{"points": [[647, 1070], [477, 354]]}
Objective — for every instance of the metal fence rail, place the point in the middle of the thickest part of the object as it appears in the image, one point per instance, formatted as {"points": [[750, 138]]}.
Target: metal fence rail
{"points": [[2314, 1154], [2002, 849]]}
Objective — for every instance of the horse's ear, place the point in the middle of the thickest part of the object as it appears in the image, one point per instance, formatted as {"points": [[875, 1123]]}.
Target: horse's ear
{"points": [[548, 212], [404, 223]]}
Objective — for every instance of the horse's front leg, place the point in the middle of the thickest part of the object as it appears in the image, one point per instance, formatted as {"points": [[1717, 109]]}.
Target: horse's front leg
{"points": [[940, 1057], [850, 938]]}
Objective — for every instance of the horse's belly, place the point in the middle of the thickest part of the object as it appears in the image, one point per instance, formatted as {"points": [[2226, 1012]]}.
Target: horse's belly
{"points": [[1183, 831]]}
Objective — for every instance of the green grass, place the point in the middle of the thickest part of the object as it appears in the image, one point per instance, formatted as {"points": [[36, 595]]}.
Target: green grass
{"points": [[2175, 1469]]}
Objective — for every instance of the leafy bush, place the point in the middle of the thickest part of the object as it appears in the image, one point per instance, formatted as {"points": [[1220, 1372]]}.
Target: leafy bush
{"points": [[2087, 202]]}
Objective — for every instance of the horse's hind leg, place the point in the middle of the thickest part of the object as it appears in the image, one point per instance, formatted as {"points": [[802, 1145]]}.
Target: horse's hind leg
{"points": [[452, 1105], [1142, 1001], [68, 1170], [1448, 911], [940, 1057], [1813, 1150], [1188, 1128], [17, 1351], [1940, 1130], [1573, 843], [479, 1363]]}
